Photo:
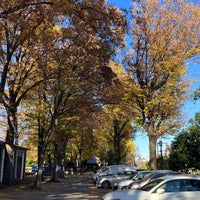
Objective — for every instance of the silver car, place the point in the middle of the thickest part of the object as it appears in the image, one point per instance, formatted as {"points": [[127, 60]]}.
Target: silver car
{"points": [[108, 181], [181, 187], [108, 170], [151, 176], [138, 176]]}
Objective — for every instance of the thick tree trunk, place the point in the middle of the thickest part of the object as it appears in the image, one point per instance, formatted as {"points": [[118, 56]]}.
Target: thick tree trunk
{"points": [[11, 109], [152, 151], [41, 154], [117, 145], [55, 169], [62, 160], [39, 177], [8, 175]]}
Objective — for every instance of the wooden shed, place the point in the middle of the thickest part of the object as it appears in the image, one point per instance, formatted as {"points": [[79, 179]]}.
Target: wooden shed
{"points": [[19, 154]]}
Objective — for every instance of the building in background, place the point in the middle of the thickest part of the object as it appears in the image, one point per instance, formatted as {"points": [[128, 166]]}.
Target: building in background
{"points": [[19, 154]]}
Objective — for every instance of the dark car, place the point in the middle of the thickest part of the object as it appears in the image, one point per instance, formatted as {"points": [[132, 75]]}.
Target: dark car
{"points": [[34, 169], [46, 170]]}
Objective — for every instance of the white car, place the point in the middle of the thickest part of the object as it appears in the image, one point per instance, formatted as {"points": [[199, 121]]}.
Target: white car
{"points": [[107, 182], [108, 170], [124, 184], [97, 173], [181, 187], [150, 177]]}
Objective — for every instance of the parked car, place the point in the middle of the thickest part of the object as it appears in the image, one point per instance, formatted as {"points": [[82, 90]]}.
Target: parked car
{"points": [[114, 170], [34, 169], [98, 172], [45, 170], [151, 176], [108, 181], [108, 170], [137, 176], [164, 188]]}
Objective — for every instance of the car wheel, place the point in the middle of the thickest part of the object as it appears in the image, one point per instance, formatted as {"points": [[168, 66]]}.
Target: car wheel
{"points": [[106, 185]]}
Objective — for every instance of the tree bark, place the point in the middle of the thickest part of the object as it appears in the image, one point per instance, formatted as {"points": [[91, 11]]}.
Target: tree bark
{"points": [[62, 160], [152, 151], [55, 169], [8, 175], [117, 142], [39, 177], [41, 153]]}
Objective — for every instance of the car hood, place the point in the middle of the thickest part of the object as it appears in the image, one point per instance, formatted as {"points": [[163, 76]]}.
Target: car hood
{"points": [[138, 184], [125, 194], [126, 182]]}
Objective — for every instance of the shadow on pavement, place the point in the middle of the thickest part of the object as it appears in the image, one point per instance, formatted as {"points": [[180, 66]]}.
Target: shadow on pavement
{"points": [[73, 187]]}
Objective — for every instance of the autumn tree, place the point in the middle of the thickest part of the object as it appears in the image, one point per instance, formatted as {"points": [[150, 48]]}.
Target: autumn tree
{"points": [[114, 132], [80, 41], [19, 29], [87, 37], [163, 35], [114, 127]]}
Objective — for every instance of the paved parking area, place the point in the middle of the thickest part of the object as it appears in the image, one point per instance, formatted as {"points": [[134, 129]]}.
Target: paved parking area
{"points": [[73, 187]]}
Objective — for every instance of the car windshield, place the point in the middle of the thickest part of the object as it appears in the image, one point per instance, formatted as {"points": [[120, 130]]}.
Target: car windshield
{"points": [[105, 169], [130, 177], [150, 185], [148, 176]]}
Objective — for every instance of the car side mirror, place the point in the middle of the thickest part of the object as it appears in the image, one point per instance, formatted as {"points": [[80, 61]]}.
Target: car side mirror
{"points": [[160, 191]]}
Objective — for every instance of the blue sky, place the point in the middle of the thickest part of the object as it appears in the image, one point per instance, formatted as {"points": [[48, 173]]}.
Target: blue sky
{"points": [[190, 107]]}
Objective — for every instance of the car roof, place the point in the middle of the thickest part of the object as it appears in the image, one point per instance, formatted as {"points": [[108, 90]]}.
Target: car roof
{"points": [[180, 176], [153, 174], [144, 171], [162, 170], [120, 165]]}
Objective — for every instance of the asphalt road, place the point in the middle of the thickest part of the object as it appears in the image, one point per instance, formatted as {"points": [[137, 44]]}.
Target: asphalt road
{"points": [[73, 187]]}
